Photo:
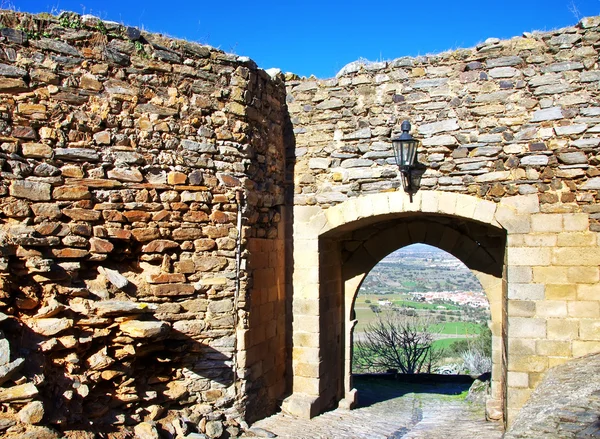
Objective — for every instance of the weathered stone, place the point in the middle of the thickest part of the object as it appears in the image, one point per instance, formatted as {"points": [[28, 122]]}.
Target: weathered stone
{"points": [[137, 215], [90, 82], [573, 158], [210, 263], [145, 235], [118, 307], [191, 145], [77, 154], [504, 61], [32, 413], [35, 191], [438, 127], [22, 392], [141, 329], [37, 150], [172, 290], [553, 113], [46, 210], [114, 277], [591, 184], [535, 160], [214, 429], [145, 430], [17, 209], [78, 214], [503, 72], [568, 130], [27, 133], [98, 245], [11, 85], [55, 46], [187, 234], [163, 278], [159, 246], [71, 193], [100, 360], [9, 369], [49, 326], [122, 174]]}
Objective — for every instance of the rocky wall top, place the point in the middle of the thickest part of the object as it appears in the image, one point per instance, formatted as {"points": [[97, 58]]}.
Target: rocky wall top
{"points": [[126, 160], [520, 116]]}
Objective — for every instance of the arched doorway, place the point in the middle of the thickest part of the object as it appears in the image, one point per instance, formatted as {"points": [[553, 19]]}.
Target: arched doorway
{"points": [[336, 248]]}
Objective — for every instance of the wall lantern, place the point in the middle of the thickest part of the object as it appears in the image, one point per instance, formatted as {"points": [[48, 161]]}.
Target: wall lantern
{"points": [[405, 151]]}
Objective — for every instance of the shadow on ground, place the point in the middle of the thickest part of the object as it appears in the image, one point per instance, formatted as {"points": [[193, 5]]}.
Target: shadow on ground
{"points": [[373, 389]]}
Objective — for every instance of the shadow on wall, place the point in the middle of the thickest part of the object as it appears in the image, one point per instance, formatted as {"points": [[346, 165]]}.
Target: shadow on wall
{"points": [[125, 363], [100, 364]]}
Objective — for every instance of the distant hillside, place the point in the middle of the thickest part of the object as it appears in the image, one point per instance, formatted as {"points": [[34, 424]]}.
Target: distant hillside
{"points": [[419, 268]]}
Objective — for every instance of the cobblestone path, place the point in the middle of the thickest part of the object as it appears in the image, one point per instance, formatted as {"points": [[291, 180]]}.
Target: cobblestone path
{"points": [[395, 415]]}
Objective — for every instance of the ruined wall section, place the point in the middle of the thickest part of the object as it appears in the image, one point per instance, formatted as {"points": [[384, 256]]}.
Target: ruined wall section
{"points": [[126, 161]]}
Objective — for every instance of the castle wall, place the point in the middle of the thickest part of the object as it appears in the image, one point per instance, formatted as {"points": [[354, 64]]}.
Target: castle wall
{"points": [[510, 123], [140, 194]]}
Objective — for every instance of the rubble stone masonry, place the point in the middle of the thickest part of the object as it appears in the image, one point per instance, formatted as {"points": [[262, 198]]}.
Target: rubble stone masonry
{"points": [[137, 175]]}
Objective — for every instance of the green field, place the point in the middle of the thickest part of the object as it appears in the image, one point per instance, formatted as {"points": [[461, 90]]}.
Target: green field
{"points": [[458, 328], [445, 343], [365, 315]]}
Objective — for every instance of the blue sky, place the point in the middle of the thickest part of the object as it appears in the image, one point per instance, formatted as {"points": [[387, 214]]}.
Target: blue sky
{"points": [[320, 37]]}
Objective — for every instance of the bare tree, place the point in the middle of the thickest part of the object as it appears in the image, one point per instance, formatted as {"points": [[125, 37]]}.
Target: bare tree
{"points": [[396, 341]]}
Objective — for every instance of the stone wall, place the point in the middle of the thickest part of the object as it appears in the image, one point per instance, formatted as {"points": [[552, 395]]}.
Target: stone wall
{"points": [[514, 117], [141, 185], [509, 134]]}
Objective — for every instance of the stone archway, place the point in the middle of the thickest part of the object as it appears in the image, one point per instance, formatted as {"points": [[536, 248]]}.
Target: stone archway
{"points": [[480, 247], [328, 272]]}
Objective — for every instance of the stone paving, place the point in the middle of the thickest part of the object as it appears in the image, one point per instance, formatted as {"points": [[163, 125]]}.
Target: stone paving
{"points": [[432, 413]]}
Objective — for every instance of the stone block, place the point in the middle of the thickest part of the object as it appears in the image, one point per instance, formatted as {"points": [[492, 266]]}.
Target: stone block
{"points": [[522, 204], [550, 275], [447, 203], [521, 346], [562, 329], [585, 347], [577, 239], [307, 370], [526, 291], [519, 274], [530, 256], [540, 240], [35, 191], [588, 292], [589, 329], [583, 274], [528, 363], [583, 309], [523, 327], [301, 405], [576, 222], [521, 308], [564, 291], [429, 201], [553, 348], [307, 385], [551, 308], [576, 256], [518, 379], [306, 323]]}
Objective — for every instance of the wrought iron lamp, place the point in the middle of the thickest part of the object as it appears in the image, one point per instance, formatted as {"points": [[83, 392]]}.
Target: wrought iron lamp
{"points": [[405, 152]]}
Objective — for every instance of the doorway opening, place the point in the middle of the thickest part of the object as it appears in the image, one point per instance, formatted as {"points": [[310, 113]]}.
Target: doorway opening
{"points": [[421, 310]]}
